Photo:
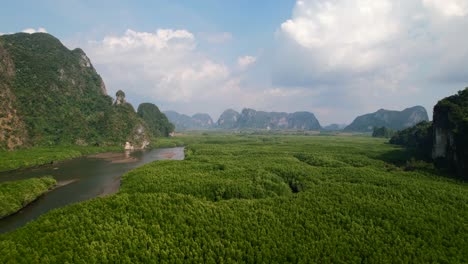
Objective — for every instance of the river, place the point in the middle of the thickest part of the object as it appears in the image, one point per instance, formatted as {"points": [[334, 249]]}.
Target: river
{"points": [[83, 178]]}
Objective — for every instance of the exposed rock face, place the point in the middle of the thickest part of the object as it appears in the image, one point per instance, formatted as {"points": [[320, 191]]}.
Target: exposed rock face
{"points": [[120, 97], [450, 130], [13, 132], [138, 139], [228, 119], [396, 120], [184, 122], [252, 119]]}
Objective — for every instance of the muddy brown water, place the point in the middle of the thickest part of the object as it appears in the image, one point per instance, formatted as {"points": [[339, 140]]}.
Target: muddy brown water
{"points": [[82, 179]]}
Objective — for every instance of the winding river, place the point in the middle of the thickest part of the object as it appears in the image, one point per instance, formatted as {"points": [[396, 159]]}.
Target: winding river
{"points": [[82, 179]]}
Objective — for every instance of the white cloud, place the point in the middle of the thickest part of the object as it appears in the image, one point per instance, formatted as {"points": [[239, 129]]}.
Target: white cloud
{"points": [[457, 8], [160, 64], [368, 54], [32, 30], [350, 34], [246, 61]]}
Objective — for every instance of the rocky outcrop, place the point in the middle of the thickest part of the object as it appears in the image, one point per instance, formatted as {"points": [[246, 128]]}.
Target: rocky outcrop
{"points": [[138, 139], [395, 120], [228, 119], [120, 98], [450, 132]]}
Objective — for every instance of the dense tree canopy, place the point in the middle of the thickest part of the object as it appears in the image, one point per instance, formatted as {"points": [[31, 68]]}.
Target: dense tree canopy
{"points": [[260, 199]]}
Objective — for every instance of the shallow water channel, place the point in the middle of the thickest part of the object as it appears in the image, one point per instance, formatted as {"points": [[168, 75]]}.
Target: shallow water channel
{"points": [[82, 179]]}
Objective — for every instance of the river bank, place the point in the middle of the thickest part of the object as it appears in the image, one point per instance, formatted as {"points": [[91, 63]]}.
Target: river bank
{"points": [[37, 156], [15, 195], [81, 179]]}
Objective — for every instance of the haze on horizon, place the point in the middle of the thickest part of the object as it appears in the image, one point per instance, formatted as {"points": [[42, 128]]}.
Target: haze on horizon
{"points": [[338, 59]]}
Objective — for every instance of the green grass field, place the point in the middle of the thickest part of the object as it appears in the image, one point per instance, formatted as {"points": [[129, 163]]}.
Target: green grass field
{"points": [[15, 195], [262, 198], [24, 158]]}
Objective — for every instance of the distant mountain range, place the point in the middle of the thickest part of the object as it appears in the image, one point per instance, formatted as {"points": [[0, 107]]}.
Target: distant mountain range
{"points": [[247, 119], [252, 119], [185, 122], [396, 120]]}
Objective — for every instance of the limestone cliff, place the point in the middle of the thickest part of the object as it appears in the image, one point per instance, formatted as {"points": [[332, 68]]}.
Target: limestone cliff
{"points": [[450, 129]]}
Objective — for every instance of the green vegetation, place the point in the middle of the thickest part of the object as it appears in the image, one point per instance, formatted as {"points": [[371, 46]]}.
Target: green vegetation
{"points": [[259, 198], [166, 143], [15, 195], [157, 122], [417, 138], [383, 132], [23, 158]]}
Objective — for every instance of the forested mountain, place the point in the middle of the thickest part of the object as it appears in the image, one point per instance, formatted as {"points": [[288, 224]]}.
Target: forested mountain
{"points": [[157, 121], [395, 120], [185, 122], [445, 140], [252, 119], [52, 95], [228, 119]]}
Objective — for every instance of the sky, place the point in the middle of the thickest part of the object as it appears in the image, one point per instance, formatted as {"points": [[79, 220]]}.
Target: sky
{"points": [[335, 58]]}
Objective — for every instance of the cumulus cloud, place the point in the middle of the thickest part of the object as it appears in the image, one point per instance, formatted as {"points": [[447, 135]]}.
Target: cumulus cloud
{"points": [[373, 54], [246, 61], [160, 64], [32, 30]]}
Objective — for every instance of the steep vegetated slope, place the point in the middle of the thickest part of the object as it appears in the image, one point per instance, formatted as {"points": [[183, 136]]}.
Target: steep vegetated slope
{"points": [[395, 120], [265, 199], [157, 122], [55, 96]]}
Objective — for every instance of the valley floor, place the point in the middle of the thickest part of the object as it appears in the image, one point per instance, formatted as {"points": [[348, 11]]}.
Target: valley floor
{"points": [[254, 198]]}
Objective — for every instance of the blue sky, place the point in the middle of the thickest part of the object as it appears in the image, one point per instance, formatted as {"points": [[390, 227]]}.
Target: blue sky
{"points": [[338, 59]]}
